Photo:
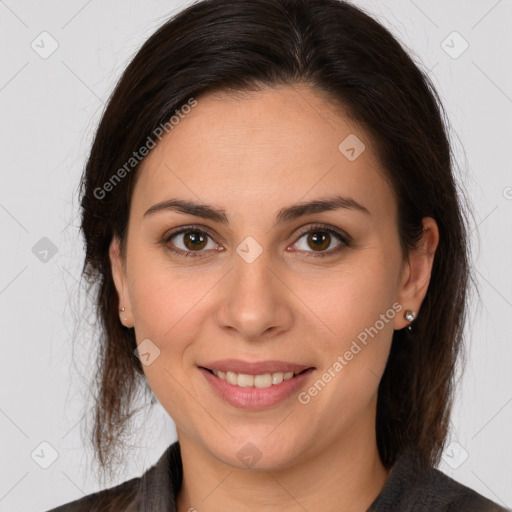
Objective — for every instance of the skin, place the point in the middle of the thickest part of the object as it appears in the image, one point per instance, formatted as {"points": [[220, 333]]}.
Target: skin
{"points": [[252, 155]]}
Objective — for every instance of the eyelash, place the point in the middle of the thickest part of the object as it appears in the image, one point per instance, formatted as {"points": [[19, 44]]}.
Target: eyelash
{"points": [[344, 239]]}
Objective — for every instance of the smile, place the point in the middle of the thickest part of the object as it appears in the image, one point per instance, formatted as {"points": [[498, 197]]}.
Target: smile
{"points": [[258, 390], [265, 380]]}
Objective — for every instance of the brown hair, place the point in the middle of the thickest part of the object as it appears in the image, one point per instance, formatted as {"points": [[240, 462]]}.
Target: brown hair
{"points": [[338, 50]]}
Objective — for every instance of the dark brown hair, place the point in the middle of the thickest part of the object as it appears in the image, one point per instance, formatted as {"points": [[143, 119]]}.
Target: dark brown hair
{"points": [[343, 53]]}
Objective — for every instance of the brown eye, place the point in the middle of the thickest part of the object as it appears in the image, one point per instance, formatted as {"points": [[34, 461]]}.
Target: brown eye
{"points": [[318, 239], [189, 241], [194, 240]]}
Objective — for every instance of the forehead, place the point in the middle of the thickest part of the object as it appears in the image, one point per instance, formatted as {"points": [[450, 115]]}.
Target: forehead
{"points": [[264, 149]]}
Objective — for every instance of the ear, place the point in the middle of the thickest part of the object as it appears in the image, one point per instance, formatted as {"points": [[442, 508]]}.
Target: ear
{"points": [[416, 272], [120, 281]]}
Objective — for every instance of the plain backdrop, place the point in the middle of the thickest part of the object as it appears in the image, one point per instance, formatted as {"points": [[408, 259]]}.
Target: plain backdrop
{"points": [[59, 63]]}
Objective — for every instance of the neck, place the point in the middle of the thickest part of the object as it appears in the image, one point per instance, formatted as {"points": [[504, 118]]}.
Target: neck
{"points": [[348, 472]]}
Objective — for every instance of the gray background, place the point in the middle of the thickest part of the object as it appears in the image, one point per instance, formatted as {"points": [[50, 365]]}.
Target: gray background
{"points": [[49, 109]]}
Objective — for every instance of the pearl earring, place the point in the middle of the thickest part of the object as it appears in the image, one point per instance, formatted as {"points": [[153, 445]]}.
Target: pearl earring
{"points": [[123, 318]]}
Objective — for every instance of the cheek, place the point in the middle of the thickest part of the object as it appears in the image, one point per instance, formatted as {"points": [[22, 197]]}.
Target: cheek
{"points": [[346, 386], [164, 297], [356, 310], [169, 310], [350, 299]]}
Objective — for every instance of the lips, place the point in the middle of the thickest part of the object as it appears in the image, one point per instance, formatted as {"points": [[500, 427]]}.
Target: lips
{"points": [[259, 393], [253, 368]]}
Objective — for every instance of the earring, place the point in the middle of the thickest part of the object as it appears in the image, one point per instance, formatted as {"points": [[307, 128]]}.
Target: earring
{"points": [[123, 318], [409, 316]]}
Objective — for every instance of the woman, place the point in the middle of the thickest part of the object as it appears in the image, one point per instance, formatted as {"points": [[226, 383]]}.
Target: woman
{"points": [[280, 256]]}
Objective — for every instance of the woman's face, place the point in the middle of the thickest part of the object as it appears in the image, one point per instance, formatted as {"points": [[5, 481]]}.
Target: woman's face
{"points": [[264, 282]]}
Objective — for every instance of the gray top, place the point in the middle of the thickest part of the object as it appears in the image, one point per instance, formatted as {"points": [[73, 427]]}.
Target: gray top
{"points": [[410, 486]]}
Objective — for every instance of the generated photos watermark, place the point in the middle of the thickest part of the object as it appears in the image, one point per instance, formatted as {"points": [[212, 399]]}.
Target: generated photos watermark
{"points": [[304, 397], [143, 151]]}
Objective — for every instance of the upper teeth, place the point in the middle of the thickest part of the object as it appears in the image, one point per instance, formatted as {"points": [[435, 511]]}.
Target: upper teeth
{"points": [[260, 381]]}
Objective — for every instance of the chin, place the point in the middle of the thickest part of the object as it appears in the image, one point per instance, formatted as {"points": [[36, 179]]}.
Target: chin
{"points": [[260, 453]]}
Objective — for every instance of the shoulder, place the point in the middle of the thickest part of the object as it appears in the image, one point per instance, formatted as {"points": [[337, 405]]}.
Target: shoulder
{"points": [[413, 486], [119, 497]]}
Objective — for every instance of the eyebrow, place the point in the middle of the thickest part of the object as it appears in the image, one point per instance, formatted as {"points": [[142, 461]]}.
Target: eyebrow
{"points": [[286, 214]]}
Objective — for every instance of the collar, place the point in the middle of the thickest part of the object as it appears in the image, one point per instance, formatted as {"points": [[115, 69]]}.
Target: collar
{"points": [[160, 485]]}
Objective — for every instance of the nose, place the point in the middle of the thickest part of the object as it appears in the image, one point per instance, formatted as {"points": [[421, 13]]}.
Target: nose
{"points": [[255, 302]]}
